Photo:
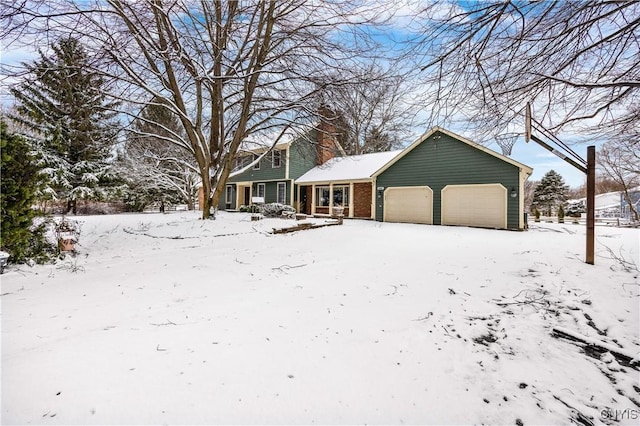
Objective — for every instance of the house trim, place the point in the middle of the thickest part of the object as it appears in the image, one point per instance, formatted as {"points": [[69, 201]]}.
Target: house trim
{"points": [[327, 182], [287, 158]]}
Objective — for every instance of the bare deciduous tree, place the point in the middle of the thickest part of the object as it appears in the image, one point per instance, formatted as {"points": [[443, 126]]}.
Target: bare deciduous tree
{"points": [[370, 112], [577, 62], [153, 165], [621, 162], [529, 189], [230, 71]]}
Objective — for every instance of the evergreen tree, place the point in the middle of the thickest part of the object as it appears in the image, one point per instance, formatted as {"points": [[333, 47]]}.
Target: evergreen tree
{"points": [[20, 237], [64, 102], [550, 193]]}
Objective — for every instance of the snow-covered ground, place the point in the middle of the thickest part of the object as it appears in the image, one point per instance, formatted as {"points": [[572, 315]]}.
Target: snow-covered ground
{"points": [[168, 319]]}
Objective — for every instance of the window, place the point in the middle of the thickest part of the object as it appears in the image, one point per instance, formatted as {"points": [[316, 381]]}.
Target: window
{"points": [[276, 159], [282, 193], [260, 190], [228, 194], [257, 165], [341, 196], [240, 162], [322, 196]]}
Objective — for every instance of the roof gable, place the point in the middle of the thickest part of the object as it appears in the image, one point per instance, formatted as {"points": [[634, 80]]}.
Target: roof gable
{"points": [[459, 138]]}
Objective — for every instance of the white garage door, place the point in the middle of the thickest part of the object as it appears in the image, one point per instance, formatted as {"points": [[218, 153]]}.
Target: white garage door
{"points": [[410, 204], [475, 205]]}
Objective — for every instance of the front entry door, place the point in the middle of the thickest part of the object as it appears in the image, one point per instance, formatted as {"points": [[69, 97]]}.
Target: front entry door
{"points": [[303, 200], [247, 194]]}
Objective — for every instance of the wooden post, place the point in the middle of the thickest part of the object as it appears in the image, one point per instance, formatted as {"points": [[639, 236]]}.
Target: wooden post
{"points": [[591, 191]]}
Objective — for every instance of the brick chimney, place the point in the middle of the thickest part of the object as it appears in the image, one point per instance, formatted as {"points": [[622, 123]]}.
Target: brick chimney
{"points": [[327, 145]]}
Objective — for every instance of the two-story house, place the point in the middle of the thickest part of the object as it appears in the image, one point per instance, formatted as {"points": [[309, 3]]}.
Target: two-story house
{"points": [[273, 177]]}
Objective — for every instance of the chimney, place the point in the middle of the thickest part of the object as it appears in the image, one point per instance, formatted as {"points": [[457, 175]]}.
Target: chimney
{"points": [[327, 145]]}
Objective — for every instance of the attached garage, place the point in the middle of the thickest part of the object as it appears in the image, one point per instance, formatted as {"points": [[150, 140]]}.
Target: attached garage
{"points": [[475, 205], [445, 179], [409, 204]]}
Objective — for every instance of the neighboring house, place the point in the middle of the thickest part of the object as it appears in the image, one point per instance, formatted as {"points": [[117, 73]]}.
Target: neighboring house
{"points": [[273, 177], [607, 204], [441, 178], [625, 210], [614, 205]]}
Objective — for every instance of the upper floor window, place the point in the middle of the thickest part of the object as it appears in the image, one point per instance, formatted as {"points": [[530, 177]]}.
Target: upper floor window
{"points": [[256, 166], [240, 162], [276, 159]]}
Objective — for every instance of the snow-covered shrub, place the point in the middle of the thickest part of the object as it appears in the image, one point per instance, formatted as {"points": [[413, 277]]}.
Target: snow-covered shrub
{"points": [[575, 208], [249, 209], [275, 209]]}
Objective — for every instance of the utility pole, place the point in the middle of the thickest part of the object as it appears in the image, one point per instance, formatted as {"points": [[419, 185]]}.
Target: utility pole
{"points": [[591, 208]]}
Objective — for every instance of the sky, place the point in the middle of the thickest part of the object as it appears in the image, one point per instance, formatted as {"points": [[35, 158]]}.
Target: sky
{"points": [[542, 161], [532, 155]]}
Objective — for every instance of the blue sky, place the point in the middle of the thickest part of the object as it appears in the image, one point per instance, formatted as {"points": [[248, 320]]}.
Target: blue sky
{"points": [[530, 154], [541, 160]]}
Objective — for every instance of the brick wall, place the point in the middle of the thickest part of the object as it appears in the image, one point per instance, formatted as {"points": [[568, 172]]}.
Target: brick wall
{"points": [[362, 199]]}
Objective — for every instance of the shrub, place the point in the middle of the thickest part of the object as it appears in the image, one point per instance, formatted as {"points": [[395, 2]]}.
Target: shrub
{"points": [[275, 209], [249, 209], [576, 208]]}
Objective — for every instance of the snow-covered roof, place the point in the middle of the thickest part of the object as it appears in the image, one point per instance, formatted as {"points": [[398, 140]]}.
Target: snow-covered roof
{"points": [[603, 201], [353, 167], [608, 200]]}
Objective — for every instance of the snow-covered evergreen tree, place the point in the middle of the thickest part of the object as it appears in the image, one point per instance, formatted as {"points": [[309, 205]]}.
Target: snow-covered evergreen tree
{"points": [[63, 102], [550, 193]]}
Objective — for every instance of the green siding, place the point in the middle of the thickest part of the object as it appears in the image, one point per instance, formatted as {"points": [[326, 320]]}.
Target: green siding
{"points": [[266, 172], [441, 160], [222, 205], [302, 158], [271, 191], [303, 155]]}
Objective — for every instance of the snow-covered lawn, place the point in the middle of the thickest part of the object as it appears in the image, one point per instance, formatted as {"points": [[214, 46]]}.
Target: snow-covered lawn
{"points": [[168, 319]]}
